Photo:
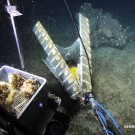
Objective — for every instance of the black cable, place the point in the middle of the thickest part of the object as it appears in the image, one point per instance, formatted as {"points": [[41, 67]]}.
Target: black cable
{"points": [[77, 30]]}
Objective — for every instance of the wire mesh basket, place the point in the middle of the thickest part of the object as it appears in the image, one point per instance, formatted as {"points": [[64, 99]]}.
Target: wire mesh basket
{"points": [[20, 103]]}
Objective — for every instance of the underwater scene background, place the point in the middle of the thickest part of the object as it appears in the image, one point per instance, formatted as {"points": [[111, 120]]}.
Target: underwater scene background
{"points": [[113, 53]]}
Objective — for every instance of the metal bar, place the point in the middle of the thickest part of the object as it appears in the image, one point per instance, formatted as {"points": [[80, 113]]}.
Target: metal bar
{"points": [[16, 38]]}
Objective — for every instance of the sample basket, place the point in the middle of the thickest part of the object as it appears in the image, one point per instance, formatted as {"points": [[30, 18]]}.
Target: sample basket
{"points": [[20, 103]]}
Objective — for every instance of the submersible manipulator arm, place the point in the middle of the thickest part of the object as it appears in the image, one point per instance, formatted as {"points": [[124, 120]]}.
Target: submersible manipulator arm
{"points": [[13, 12]]}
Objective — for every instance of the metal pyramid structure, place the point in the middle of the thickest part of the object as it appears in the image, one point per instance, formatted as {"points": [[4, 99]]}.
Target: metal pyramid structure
{"points": [[57, 64]]}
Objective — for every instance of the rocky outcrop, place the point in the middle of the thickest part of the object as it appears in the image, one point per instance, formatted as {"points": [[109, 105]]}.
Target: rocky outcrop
{"points": [[105, 30]]}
